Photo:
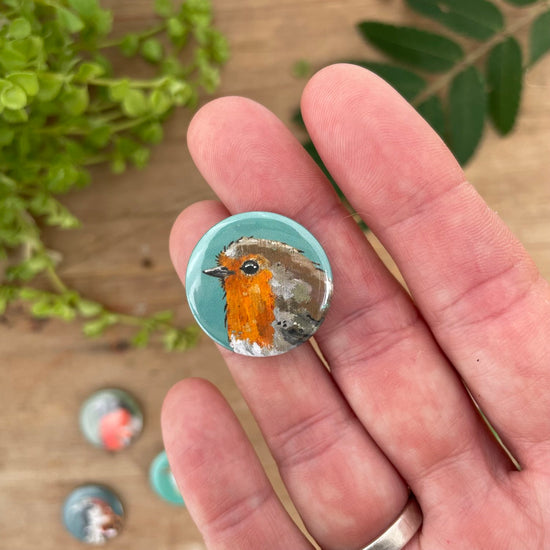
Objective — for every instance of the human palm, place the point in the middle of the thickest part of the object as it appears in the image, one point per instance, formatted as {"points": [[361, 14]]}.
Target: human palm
{"points": [[392, 413]]}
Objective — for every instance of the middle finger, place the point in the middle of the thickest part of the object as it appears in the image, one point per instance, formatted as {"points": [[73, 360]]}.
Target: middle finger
{"points": [[382, 356]]}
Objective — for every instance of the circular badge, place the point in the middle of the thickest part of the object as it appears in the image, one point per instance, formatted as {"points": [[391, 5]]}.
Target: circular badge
{"points": [[93, 514], [111, 419], [162, 480], [259, 283]]}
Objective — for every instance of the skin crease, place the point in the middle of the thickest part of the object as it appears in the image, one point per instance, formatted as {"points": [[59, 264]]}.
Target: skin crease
{"points": [[392, 412]]}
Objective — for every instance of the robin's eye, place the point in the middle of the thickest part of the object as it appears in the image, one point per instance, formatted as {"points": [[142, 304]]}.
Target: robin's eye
{"points": [[250, 267]]}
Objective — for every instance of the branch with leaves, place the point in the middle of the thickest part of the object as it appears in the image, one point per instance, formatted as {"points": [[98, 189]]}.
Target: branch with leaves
{"points": [[468, 84], [62, 109]]}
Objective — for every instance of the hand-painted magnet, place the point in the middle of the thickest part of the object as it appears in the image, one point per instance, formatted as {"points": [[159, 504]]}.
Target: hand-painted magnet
{"points": [[93, 514], [259, 283], [111, 419], [162, 480]]}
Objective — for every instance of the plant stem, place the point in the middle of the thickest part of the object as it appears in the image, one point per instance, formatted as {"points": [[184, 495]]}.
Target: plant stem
{"points": [[141, 36], [56, 281], [476, 54]]}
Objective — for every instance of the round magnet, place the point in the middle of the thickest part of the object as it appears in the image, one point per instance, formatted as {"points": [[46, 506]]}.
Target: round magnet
{"points": [[259, 283], [162, 480], [93, 514], [111, 419]]}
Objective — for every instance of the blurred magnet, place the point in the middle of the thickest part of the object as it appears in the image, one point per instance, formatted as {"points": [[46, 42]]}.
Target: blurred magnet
{"points": [[111, 419], [93, 514], [162, 480]]}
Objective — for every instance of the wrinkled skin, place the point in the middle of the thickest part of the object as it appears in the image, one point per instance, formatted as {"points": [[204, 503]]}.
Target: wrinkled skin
{"points": [[393, 412]]}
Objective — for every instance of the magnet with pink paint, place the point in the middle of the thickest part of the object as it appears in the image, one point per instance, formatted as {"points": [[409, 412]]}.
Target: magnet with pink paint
{"points": [[111, 419]]}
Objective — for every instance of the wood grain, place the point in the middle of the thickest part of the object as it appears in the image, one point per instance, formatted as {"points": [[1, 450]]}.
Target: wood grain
{"points": [[48, 369]]}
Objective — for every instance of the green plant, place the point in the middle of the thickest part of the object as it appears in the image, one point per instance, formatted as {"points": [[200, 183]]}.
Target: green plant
{"points": [[467, 84], [62, 110]]}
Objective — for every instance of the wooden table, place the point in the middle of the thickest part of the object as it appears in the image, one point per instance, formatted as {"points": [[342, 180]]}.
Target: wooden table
{"points": [[120, 257]]}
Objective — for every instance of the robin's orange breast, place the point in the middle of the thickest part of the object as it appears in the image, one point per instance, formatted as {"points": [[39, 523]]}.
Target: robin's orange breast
{"points": [[250, 308]]}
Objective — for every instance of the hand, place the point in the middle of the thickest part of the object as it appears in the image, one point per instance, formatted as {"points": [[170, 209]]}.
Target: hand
{"points": [[392, 413]]}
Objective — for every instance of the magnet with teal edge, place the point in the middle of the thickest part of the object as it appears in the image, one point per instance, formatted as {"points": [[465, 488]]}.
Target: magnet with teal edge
{"points": [[162, 480], [93, 514], [259, 284]]}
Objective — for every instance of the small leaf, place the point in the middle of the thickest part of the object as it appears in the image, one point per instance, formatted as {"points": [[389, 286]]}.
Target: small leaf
{"points": [[426, 50], [87, 71], [19, 28], [407, 83], [75, 100], [176, 29], [160, 101], [129, 44], [164, 8], [87, 308], [49, 86], [521, 2], [6, 136], [85, 8], [504, 77], [152, 50], [69, 20], [539, 37], [477, 19], [26, 80], [141, 338], [150, 133], [467, 102], [135, 103], [432, 111], [119, 89], [13, 97]]}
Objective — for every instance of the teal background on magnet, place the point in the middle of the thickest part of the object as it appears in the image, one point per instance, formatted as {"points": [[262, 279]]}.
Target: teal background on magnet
{"points": [[73, 517], [205, 293], [162, 480]]}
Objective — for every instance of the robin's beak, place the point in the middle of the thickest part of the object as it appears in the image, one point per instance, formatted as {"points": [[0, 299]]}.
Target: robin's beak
{"points": [[221, 272]]}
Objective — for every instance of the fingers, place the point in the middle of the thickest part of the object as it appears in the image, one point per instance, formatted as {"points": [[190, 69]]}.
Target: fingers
{"points": [[331, 467], [221, 479], [380, 351], [474, 283]]}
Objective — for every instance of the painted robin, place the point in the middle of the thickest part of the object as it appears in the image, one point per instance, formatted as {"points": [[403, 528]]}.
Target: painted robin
{"points": [[276, 297]]}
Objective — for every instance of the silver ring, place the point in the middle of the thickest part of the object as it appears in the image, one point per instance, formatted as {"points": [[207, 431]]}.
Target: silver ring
{"points": [[401, 531]]}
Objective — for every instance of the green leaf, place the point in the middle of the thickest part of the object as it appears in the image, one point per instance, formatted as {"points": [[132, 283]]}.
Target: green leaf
{"points": [[467, 103], [6, 135], [11, 58], [152, 50], [407, 83], [118, 90], [160, 101], [521, 2], [164, 8], [539, 37], [422, 49], [141, 338], [15, 117], [99, 137], [432, 111], [87, 71], [87, 308], [135, 103], [88, 9], [477, 19], [75, 100], [504, 77], [13, 97], [69, 20], [149, 133], [176, 29], [19, 28], [129, 44], [49, 86], [26, 80]]}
